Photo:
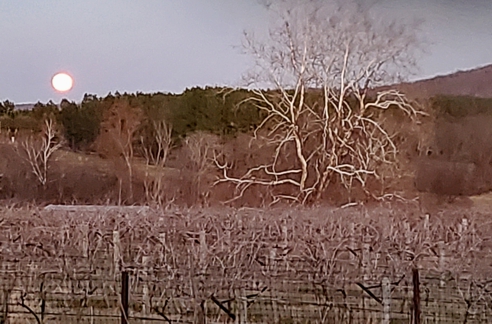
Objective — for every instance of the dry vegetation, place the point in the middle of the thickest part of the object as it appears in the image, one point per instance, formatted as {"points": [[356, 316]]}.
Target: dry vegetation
{"points": [[291, 265]]}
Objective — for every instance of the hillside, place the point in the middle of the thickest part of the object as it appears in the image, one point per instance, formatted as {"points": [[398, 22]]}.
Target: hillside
{"points": [[476, 82]]}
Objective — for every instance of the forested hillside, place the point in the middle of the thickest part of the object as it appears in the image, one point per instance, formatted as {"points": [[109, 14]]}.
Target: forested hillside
{"points": [[185, 132]]}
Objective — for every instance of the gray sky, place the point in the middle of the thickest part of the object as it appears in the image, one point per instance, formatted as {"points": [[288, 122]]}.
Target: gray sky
{"points": [[169, 45]]}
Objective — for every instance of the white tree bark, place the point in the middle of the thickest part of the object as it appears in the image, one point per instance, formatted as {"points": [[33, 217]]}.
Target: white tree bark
{"points": [[38, 151], [325, 66]]}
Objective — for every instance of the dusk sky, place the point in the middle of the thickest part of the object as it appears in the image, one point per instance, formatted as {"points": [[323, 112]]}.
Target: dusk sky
{"points": [[170, 45]]}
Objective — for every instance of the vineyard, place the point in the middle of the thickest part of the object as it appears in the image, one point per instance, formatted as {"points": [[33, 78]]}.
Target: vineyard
{"points": [[283, 265]]}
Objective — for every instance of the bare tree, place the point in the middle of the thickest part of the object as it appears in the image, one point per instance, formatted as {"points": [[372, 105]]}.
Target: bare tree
{"points": [[200, 149], [116, 138], [325, 64], [156, 150], [38, 150]]}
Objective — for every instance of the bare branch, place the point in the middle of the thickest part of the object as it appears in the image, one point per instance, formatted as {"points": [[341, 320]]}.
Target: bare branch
{"points": [[324, 64], [39, 150]]}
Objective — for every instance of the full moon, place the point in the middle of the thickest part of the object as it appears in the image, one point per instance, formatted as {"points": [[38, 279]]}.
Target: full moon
{"points": [[62, 82]]}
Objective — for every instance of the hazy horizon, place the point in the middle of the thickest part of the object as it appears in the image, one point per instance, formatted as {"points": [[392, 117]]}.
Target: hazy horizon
{"points": [[167, 46]]}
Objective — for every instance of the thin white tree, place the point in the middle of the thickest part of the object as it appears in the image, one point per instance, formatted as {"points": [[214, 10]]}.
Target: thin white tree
{"points": [[156, 151], [201, 148], [38, 150]]}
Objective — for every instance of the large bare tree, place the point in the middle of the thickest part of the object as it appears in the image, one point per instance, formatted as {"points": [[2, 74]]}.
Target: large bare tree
{"points": [[319, 78]]}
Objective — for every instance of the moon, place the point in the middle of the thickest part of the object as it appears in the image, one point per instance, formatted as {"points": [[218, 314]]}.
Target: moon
{"points": [[62, 82]]}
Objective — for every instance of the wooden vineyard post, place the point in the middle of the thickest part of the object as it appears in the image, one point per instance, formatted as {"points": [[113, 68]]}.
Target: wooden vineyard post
{"points": [[442, 263], [145, 288], [426, 222], [366, 256], [202, 261], [237, 307], [386, 286], [241, 307], [85, 240], [352, 242], [426, 225], [416, 296], [442, 279], [273, 298], [124, 297], [285, 232], [365, 263], [4, 299], [244, 308], [116, 251]]}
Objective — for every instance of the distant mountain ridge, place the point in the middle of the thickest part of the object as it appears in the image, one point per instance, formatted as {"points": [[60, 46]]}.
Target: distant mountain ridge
{"points": [[475, 82]]}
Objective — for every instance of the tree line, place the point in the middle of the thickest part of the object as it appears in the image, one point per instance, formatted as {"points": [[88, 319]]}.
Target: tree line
{"points": [[220, 111]]}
